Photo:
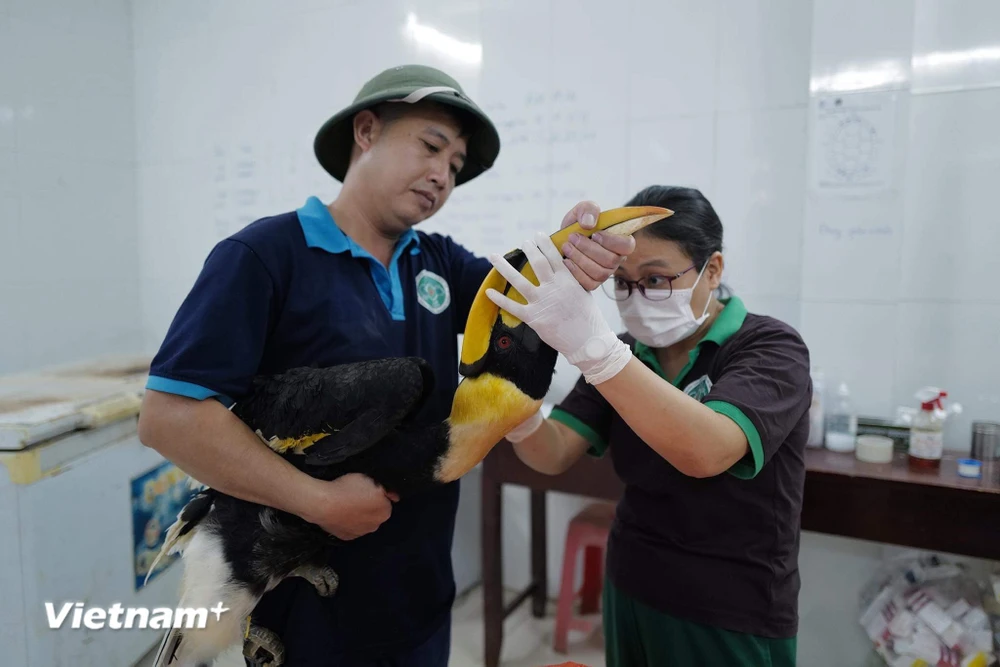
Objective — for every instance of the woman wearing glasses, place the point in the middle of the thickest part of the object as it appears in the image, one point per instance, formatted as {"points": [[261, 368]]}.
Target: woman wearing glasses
{"points": [[703, 408]]}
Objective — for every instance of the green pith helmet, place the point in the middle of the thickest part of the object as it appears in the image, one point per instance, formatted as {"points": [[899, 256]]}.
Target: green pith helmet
{"points": [[408, 83]]}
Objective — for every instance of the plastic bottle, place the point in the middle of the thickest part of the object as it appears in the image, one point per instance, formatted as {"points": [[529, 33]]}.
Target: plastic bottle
{"points": [[841, 422], [927, 431], [816, 409]]}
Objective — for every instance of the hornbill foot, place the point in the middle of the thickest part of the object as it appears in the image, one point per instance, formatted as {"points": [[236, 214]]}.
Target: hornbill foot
{"points": [[324, 579], [262, 648]]}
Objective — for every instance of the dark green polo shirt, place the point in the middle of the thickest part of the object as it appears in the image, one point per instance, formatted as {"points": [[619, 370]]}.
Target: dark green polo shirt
{"points": [[721, 551]]}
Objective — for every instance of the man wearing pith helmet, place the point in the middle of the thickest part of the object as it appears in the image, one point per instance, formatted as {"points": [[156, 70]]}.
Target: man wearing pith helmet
{"points": [[339, 282]]}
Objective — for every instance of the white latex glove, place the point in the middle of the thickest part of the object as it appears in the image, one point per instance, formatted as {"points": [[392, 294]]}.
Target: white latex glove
{"points": [[562, 312], [526, 428]]}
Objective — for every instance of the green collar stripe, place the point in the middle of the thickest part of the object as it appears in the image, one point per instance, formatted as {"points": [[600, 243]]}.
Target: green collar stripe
{"points": [[728, 322]]}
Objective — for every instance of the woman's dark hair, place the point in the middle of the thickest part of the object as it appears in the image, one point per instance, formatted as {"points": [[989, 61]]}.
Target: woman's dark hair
{"points": [[694, 226]]}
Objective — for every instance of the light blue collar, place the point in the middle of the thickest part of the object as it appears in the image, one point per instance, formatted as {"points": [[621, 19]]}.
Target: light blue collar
{"points": [[321, 231]]}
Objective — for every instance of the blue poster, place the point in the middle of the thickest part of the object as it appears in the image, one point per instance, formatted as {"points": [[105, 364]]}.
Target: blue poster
{"points": [[158, 496]]}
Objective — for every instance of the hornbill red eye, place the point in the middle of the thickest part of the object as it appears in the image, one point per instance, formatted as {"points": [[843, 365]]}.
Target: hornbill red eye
{"points": [[504, 341]]}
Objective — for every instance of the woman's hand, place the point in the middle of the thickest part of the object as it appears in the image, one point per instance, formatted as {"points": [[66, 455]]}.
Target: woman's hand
{"points": [[593, 260], [562, 312]]}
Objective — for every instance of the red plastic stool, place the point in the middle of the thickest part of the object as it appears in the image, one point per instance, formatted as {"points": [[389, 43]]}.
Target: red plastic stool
{"points": [[588, 531]]}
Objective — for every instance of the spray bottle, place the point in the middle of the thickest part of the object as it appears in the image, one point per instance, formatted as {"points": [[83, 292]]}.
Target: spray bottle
{"points": [[927, 431]]}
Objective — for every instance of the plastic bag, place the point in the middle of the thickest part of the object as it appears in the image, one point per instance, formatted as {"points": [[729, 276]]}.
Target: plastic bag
{"points": [[927, 611]]}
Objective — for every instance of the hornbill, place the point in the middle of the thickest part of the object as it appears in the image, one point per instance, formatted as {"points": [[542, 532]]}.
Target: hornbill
{"points": [[356, 417]]}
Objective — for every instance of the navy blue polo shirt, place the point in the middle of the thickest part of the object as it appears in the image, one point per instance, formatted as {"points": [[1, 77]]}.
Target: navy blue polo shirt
{"points": [[293, 290]]}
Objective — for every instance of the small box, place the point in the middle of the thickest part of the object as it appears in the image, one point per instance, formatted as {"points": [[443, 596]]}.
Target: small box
{"points": [[898, 433]]}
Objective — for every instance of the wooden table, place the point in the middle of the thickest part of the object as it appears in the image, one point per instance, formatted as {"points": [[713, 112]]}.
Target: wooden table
{"points": [[843, 496]]}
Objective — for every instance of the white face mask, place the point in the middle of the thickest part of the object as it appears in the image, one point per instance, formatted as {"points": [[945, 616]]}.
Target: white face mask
{"points": [[662, 323]]}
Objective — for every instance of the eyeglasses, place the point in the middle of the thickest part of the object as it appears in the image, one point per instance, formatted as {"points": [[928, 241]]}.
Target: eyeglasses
{"points": [[654, 288]]}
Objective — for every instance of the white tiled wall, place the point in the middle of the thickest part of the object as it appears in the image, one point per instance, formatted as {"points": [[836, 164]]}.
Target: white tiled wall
{"points": [[955, 45], [762, 44], [861, 45], [950, 198], [854, 342], [672, 149], [674, 57], [69, 258], [759, 179], [581, 59], [895, 296]]}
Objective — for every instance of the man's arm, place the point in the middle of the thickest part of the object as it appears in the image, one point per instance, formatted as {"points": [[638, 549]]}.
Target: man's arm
{"points": [[213, 348], [212, 445]]}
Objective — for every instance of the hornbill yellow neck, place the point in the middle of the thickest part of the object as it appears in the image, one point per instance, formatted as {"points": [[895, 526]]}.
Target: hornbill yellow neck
{"points": [[506, 367]]}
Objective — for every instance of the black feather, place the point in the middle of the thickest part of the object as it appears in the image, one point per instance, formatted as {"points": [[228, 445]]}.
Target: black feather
{"points": [[338, 400], [195, 510]]}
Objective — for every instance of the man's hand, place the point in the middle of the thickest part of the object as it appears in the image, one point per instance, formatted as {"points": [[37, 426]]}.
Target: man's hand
{"points": [[349, 506], [593, 260]]}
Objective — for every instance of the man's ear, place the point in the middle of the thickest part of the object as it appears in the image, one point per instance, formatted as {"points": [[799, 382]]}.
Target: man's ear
{"points": [[367, 127]]}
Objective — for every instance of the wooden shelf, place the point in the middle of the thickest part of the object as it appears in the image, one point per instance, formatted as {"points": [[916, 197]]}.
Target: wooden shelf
{"points": [[823, 461]]}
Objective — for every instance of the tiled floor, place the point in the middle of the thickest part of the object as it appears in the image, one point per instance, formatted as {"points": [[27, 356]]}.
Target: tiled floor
{"points": [[527, 640]]}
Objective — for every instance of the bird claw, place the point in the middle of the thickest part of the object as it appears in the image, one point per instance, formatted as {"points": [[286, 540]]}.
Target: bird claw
{"points": [[324, 579], [262, 648]]}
